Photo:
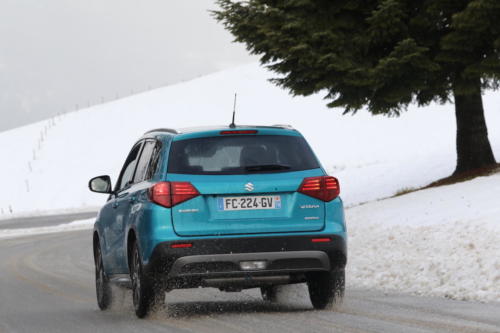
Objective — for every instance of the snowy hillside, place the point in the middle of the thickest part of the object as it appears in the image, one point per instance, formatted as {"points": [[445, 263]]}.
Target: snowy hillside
{"points": [[441, 241], [373, 157]]}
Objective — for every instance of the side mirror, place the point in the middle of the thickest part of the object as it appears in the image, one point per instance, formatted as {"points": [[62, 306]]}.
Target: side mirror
{"points": [[101, 184]]}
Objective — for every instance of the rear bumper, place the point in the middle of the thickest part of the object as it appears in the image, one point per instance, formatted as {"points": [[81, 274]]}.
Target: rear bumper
{"points": [[212, 260]]}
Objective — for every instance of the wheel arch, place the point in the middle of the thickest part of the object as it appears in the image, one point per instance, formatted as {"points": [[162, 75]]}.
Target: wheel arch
{"points": [[95, 242], [131, 240]]}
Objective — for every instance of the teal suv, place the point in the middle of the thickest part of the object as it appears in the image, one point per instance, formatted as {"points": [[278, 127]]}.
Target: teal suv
{"points": [[225, 207]]}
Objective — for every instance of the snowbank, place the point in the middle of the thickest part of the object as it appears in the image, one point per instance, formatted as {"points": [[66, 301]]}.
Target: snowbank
{"points": [[72, 226], [439, 242]]}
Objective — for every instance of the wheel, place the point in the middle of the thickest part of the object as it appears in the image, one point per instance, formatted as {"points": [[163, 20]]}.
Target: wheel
{"points": [[326, 288], [269, 293], [102, 286], [146, 295]]}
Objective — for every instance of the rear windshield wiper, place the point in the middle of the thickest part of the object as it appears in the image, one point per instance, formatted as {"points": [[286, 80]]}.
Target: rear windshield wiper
{"points": [[266, 167]]}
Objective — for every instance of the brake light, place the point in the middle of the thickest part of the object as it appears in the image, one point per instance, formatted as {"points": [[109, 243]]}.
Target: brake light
{"points": [[169, 194], [239, 132], [325, 188]]}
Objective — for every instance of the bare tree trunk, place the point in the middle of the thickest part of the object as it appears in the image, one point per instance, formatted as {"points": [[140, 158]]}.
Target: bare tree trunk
{"points": [[473, 146]]}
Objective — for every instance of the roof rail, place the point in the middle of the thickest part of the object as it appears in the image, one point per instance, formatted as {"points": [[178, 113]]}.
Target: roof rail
{"points": [[168, 130], [284, 126]]}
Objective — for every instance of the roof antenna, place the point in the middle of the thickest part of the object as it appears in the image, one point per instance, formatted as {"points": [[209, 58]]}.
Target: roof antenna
{"points": [[232, 125]]}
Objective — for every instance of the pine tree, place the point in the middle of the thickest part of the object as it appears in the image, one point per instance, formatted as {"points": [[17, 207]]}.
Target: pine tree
{"points": [[382, 55]]}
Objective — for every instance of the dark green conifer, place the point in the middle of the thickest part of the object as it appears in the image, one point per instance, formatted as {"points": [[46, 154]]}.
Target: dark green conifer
{"points": [[382, 54]]}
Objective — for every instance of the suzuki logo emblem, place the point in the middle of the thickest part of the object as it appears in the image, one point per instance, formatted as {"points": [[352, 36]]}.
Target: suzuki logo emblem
{"points": [[249, 187]]}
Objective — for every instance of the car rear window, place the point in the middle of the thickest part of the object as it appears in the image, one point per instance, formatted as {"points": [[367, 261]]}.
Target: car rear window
{"points": [[243, 154]]}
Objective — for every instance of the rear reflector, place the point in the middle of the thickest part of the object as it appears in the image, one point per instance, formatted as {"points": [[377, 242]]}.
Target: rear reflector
{"points": [[325, 188], [181, 246], [239, 132], [321, 240], [169, 194]]}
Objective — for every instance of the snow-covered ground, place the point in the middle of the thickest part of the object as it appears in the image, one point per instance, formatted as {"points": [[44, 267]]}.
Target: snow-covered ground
{"points": [[442, 241], [72, 226]]}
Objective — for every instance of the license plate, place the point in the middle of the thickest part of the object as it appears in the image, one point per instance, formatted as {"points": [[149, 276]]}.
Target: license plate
{"points": [[249, 202]]}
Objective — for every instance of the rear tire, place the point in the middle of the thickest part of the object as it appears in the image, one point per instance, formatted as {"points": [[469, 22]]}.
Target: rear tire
{"points": [[269, 293], [326, 288], [146, 295], [102, 286]]}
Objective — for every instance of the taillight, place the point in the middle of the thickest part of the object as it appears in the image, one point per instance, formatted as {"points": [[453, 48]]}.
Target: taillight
{"points": [[182, 191], [160, 194], [325, 188], [169, 194]]}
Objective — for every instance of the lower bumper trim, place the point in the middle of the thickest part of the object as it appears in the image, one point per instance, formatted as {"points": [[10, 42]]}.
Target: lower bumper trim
{"points": [[230, 263], [221, 257], [246, 281]]}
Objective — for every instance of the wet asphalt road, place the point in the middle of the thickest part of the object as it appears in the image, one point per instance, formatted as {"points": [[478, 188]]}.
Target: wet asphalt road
{"points": [[47, 285]]}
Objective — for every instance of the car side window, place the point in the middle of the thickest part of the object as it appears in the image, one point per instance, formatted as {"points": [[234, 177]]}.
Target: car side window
{"points": [[128, 169], [153, 164], [143, 163]]}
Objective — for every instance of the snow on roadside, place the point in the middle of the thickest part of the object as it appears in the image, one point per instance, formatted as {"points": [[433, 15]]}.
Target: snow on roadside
{"points": [[441, 241], [50, 212], [72, 226]]}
